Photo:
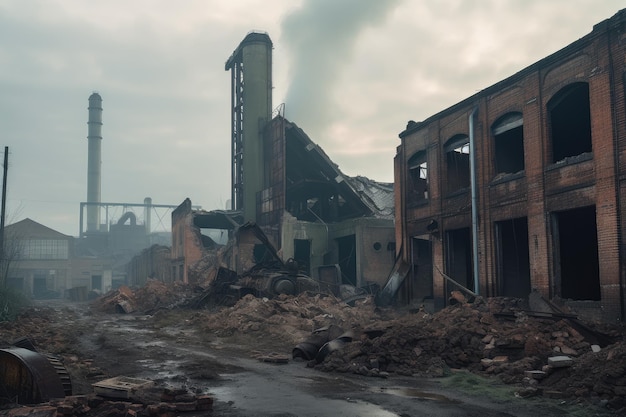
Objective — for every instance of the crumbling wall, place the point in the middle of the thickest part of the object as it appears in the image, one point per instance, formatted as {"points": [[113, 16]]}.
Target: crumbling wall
{"points": [[548, 184], [153, 262]]}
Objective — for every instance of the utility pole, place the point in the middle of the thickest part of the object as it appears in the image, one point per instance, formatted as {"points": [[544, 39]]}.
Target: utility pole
{"points": [[4, 201]]}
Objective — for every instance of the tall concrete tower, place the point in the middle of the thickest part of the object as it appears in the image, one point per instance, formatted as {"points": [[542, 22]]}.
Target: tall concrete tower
{"points": [[94, 161], [251, 95]]}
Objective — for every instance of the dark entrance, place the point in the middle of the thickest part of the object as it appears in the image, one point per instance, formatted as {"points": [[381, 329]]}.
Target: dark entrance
{"points": [[302, 255], [577, 268], [513, 258], [347, 259], [40, 288], [420, 284], [458, 246], [96, 282]]}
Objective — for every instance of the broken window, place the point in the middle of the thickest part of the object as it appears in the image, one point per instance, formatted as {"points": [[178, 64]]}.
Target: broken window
{"points": [[418, 178], [513, 258], [508, 136], [458, 163], [577, 267], [570, 121]]}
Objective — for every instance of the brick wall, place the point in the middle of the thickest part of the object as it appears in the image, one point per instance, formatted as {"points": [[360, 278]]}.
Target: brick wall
{"points": [[543, 187]]}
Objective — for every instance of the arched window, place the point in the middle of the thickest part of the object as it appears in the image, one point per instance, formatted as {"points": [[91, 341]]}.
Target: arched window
{"points": [[508, 133], [570, 121], [457, 163]]}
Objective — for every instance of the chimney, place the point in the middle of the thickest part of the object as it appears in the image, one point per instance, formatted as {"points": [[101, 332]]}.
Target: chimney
{"points": [[94, 162]]}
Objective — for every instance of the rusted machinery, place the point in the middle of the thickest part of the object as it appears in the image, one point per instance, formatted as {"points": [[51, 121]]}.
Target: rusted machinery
{"points": [[29, 377]]}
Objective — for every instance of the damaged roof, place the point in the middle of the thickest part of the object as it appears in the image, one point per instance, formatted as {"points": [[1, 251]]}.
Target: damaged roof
{"points": [[317, 170], [217, 219]]}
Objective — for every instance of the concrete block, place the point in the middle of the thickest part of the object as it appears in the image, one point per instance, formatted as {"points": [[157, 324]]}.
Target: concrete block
{"points": [[560, 361], [120, 387], [535, 374]]}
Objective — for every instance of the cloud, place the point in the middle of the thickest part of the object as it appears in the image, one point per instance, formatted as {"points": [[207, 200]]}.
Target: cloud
{"points": [[320, 37], [352, 73]]}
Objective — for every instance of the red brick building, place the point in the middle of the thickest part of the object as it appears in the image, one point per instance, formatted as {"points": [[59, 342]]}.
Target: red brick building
{"points": [[541, 205]]}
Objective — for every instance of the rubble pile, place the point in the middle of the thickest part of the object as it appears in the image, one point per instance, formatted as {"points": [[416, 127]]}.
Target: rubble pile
{"points": [[154, 295], [517, 348], [165, 403], [38, 324], [285, 320], [550, 355], [491, 337]]}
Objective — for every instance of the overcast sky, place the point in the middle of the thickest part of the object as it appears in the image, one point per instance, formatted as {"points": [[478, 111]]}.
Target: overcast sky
{"points": [[350, 72]]}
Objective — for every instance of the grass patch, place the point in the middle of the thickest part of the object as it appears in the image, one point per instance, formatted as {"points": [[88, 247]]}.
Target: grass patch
{"points": [[469, 383], [478, 386]]}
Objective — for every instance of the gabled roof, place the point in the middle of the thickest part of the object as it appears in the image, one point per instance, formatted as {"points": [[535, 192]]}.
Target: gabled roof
{"points": [[30, 229]]}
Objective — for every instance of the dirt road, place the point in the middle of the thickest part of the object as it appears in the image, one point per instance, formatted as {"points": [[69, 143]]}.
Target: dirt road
{"points": [[168, 349]]}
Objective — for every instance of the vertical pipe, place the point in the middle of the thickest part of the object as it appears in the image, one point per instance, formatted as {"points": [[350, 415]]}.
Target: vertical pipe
{"points": [[94, 162], [4, 200], [472, 139]]}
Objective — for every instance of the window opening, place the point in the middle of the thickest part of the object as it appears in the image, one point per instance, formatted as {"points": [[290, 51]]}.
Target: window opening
{"points": [[457, 151], [570, 121], [418, 177], [508, 135]]}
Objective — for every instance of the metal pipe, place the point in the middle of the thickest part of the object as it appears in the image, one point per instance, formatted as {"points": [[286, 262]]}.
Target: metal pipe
{"points": [[474, 198]]}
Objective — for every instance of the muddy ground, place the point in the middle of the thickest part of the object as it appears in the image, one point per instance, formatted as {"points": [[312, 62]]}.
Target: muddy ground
{"points": [[470, 359]]}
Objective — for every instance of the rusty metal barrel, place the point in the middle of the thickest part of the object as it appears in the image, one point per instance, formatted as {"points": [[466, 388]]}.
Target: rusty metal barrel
{"points": [[28, 377]]}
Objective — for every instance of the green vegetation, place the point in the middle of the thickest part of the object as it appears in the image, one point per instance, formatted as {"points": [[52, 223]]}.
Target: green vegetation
{"points": [[478, 386], [11, 303]]}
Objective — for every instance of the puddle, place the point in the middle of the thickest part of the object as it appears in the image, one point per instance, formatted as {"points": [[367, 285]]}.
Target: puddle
{"points": [[414, 393], [273, 397]]}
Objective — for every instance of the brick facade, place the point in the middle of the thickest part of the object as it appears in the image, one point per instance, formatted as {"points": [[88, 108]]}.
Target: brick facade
{"points": [[564, 206]]}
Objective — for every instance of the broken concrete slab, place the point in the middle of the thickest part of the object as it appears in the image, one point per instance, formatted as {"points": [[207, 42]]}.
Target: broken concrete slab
{"points": [[120, 387], [560, 361], [535, 374]]}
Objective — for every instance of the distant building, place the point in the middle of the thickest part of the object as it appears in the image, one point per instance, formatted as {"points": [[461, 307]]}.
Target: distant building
{"points": [[522, 185], [336, 228], [41, 262]]}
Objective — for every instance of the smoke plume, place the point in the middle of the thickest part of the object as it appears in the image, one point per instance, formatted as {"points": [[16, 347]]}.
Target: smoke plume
{"points": [[320, 37]]}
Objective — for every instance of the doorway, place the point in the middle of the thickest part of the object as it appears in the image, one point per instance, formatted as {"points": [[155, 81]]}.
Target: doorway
{"points": [[347, 259], [577, 268], [458, 248], [513, 258], [302, 255], [96, 282]]}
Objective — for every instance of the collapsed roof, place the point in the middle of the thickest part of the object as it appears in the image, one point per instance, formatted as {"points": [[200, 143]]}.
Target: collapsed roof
{"points": [[312, 177]]}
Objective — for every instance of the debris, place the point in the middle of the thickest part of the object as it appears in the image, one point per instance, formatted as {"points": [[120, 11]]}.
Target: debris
{"points": [[28, 377], [560, 361], [120, 387], [535, 374]]}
